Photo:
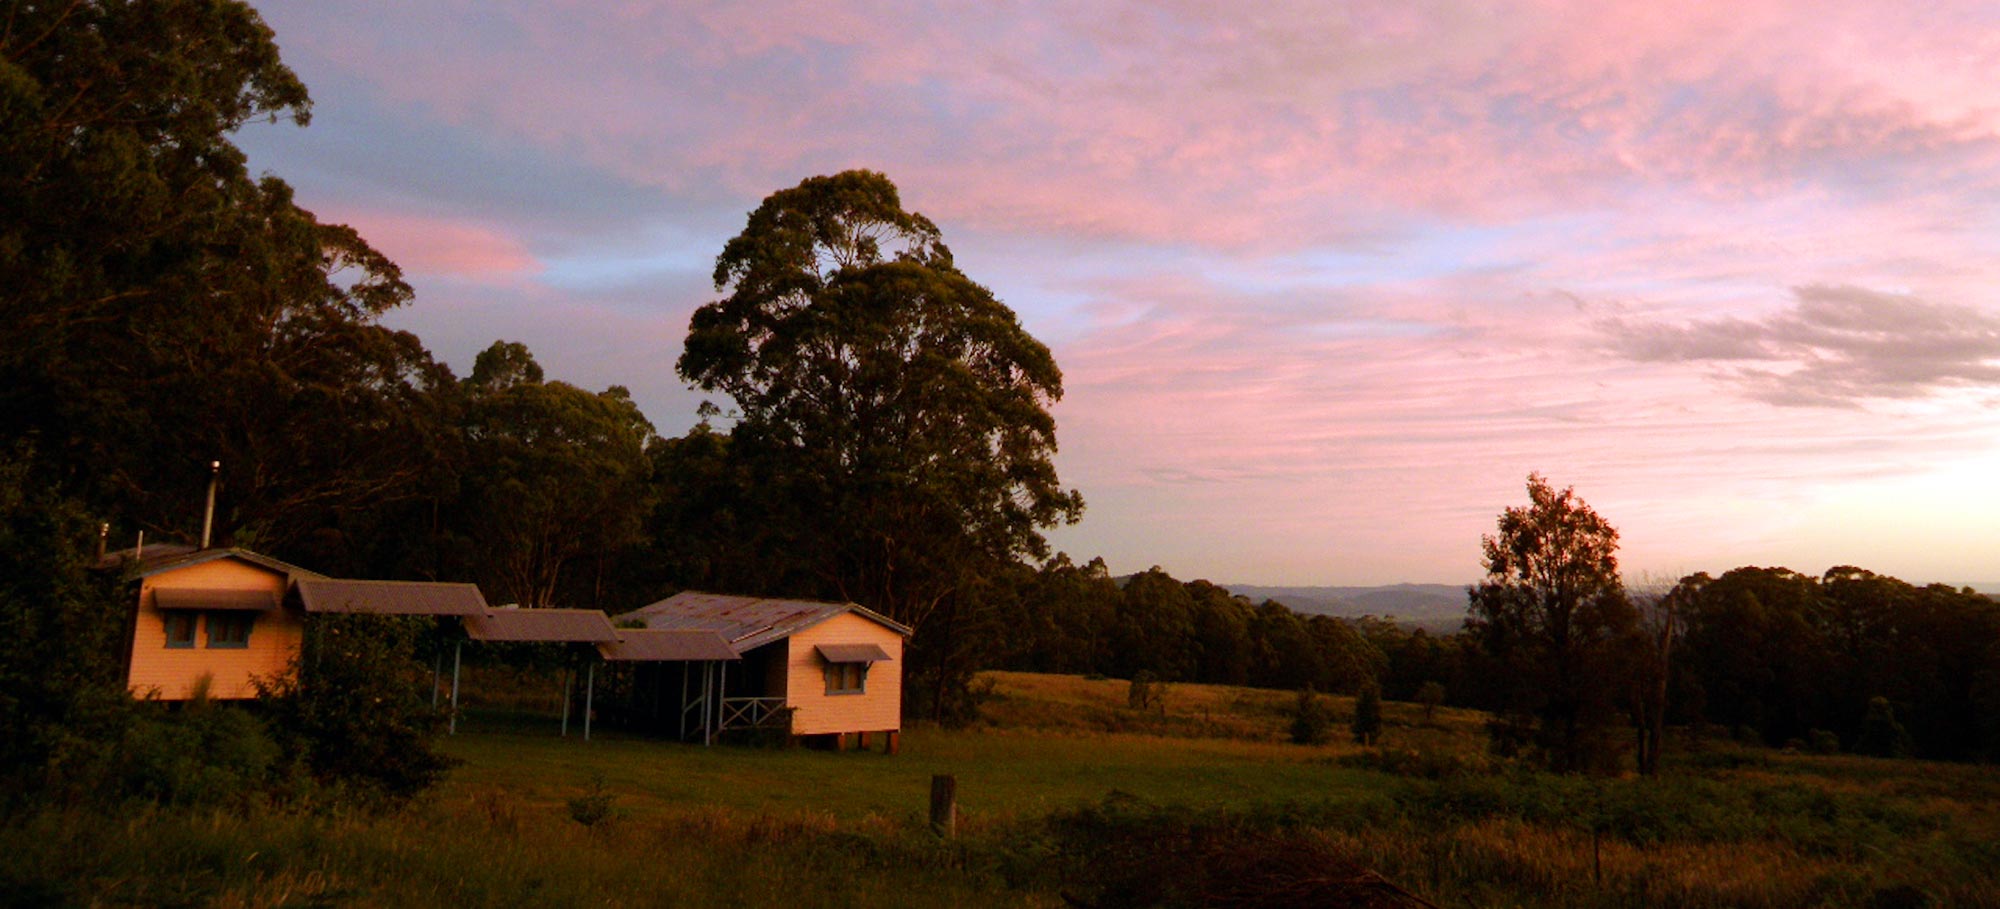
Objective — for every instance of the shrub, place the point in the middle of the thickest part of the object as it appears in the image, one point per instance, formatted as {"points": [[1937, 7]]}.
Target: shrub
{"points": [[1881, 735], [1145, 691], [1368, 715], [594, 806], [1821, 741], [349, 709], [1312, 723], [1430, 694], [203, 754]]}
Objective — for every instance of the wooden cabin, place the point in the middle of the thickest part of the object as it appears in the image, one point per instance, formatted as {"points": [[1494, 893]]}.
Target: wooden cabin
{"points": [[212, 621], [834, 668]]}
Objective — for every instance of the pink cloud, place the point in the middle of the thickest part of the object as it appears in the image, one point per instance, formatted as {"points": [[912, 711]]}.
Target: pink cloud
{"points": [[441, 247], [1327, 278]]}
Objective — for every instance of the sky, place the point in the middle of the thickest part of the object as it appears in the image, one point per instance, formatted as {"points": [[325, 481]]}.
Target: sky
{"points": [[1326, 280]]}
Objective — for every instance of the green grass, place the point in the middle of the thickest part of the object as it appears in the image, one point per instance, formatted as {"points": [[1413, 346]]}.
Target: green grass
{"points": [[687, 825]]}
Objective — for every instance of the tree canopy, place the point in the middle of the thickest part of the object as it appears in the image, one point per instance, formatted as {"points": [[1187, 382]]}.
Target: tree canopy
{"points": [[894, 408], [1553, 610]]}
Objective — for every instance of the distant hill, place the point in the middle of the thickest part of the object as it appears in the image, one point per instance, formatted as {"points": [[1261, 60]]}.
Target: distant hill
{"points": [[1438, 607]]}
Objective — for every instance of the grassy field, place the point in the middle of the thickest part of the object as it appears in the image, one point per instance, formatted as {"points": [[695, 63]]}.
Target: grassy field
{"points": [[1062, 790]]}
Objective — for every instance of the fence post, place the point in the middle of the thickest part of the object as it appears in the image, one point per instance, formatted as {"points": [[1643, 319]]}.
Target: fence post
{"points": [[944, 804]]}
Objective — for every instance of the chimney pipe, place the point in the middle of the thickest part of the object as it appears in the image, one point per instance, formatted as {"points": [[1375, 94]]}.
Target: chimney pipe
{"points": [[103, 535], [208, 516]]}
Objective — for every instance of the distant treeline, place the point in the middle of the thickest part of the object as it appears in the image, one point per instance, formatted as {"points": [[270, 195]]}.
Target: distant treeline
{"points": [[1765, 654]]}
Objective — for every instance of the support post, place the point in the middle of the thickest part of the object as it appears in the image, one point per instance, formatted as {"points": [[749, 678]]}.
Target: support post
{"points": [[567, 670], [456, 647], [437, 676], [707, 704], [589, 691], [944, 804], [684, 702], [895, 742]]}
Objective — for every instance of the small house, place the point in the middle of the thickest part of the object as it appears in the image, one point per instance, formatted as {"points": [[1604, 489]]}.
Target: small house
{"points": [[831, 670], [212, 622]]}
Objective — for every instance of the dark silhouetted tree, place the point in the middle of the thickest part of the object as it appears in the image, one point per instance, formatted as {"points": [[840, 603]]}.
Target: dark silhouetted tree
{"points": [[1368, 715], [1553, 612], [891, 415]]}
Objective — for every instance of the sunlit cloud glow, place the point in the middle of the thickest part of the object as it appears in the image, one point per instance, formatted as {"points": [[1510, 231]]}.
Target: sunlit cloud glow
{"points": [[1326, 281]]}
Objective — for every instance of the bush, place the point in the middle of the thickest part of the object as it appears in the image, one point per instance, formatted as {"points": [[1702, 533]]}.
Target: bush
{"points": [[1430, 694], [1881, 735], [1312, 723], [1821, 741], [202, 754], [350, 710], [1368, 715], [63, 704], [1144, 692]]}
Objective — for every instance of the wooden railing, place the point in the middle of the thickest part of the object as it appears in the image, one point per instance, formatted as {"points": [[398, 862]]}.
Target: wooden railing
{"points": [[749, 713]]}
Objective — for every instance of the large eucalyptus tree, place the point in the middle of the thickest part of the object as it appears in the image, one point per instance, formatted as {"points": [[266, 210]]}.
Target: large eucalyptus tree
{"points": [[896, 409]]}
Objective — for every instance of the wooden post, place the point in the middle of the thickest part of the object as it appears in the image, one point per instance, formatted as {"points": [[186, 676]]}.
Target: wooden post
{"points": [[895, 742], [944, 804], [437, 676], [862, 738], [567, 671], [589, 691], [455, 648]]}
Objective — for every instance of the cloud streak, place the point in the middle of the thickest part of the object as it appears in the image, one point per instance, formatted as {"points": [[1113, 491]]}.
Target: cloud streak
{"points": [[1835, 346]]}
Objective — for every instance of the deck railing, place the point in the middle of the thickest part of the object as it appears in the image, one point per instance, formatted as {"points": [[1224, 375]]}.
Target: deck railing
{"points": [[750, 713]]}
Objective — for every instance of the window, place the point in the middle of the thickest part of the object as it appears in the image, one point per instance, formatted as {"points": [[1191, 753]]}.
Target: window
{"points": [[229, 629], [846, 678], [180, 628]]}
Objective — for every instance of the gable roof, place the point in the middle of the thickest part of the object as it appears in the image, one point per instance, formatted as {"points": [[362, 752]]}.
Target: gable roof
{"points": [[746, 622], [586, 626], [148, 567], [389, 597]]}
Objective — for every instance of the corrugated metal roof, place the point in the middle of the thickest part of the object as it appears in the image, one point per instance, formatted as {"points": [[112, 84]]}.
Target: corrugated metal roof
{"points": [[150, 567], [648, 645], [196, 598], [585, 626], [852, 653], [390, 597], [745, 622]]}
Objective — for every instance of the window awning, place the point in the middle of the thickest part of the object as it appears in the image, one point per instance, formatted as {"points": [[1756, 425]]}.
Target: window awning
{"points": [[852, 653], [197, 598]]}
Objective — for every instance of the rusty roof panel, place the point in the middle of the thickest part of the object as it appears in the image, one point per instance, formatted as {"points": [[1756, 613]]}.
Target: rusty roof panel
{"points": [[649, 645], [390, 597], [745, 622], [585, 626]]}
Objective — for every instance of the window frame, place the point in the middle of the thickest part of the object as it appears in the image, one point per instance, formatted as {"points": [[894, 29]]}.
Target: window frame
{"points": [[173, 617], [229, 621], [836, 677]]}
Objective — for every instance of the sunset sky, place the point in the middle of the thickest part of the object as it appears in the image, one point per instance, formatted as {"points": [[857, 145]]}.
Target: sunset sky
{"points": [[1326, 280]]}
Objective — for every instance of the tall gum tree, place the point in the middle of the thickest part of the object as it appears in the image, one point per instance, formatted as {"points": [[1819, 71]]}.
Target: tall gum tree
{"points": [[896, 409], [1553, 612], [161, 308]]}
